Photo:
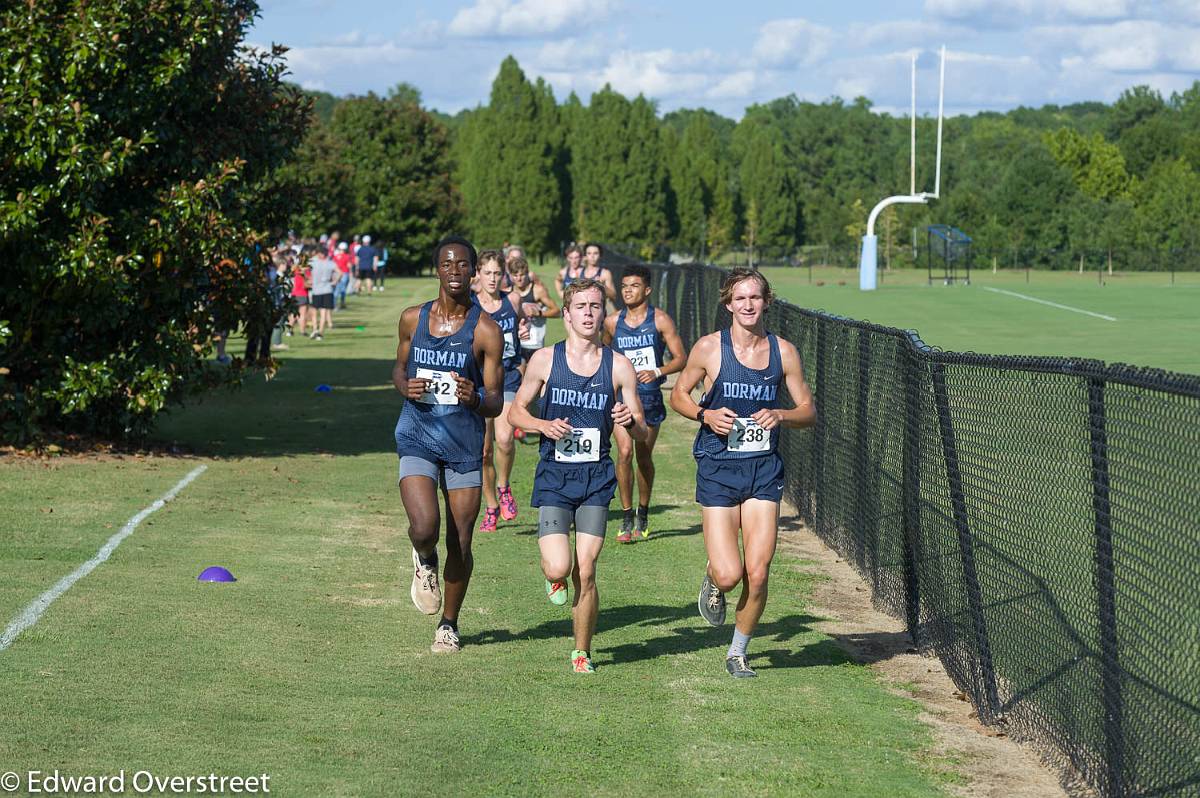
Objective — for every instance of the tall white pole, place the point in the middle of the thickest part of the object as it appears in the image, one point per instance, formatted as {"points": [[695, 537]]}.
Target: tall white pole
{"points": [[937, 179], [912, 149]]}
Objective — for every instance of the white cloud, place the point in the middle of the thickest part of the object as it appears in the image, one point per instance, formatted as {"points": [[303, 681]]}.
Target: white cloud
{"points": [[788, 42], [738, 86], [566, 55], [656, 73], [1126, 47], [1010, 13], [527, 17], [900, 33]]}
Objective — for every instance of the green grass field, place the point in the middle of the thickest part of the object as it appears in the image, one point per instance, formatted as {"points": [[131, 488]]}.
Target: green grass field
{"points": [[1156, 324], [315, 667]]}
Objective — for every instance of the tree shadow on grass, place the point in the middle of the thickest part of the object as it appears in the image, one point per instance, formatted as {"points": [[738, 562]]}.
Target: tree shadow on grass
{"points": [[288, 416], [682, 633]]}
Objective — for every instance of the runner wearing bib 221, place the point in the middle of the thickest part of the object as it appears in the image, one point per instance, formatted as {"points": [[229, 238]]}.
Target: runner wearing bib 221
{"points": [[643, 333]]}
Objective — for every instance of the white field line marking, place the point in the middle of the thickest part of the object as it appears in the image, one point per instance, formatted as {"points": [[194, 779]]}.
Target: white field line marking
{"points": [[1051, 304], [30, 615]]}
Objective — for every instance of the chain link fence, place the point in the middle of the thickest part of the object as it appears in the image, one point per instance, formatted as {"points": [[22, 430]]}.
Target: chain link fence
{"points": [[1033, 520]]}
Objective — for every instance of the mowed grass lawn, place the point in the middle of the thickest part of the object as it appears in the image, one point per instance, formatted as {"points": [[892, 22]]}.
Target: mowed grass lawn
{"points": [[1156, 323], [315, 667]]}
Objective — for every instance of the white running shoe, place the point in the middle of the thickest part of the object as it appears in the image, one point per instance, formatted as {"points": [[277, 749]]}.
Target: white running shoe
{"points": [[445, 641], [425, 592]]}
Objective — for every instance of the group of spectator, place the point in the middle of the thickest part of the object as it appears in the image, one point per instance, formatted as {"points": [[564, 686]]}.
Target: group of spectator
{"points": [[317, 275]]}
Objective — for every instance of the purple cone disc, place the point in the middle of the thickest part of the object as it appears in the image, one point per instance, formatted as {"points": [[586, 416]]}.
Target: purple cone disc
{"points": [[215, 573]]}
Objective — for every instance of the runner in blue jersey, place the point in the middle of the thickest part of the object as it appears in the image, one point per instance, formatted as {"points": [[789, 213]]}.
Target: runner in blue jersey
{"points": [[739, 474], [580, 379], [643, 333], [498, 446], [449, 372], [581, 266]]}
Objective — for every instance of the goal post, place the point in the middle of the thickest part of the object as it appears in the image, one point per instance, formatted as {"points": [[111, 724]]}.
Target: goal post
{"points": [[869, 254]]}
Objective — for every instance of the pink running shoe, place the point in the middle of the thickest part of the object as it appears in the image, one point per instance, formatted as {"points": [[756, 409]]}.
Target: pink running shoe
{"points": [[508, 505], [490, 516]]}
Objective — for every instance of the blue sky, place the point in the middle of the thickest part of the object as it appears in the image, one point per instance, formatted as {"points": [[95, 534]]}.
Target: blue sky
{"points": [[727, 55]]}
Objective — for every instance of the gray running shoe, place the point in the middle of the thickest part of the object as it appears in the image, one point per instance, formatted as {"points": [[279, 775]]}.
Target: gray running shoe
{"points": [[711, 602], [425, 592], [738, 668], [445, 641]]}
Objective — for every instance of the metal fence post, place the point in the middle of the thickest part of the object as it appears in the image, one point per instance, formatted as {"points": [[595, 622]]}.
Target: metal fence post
{"points": [[966, 545], [911, 487], [861, 472], [1110, 670], [819, 432]]}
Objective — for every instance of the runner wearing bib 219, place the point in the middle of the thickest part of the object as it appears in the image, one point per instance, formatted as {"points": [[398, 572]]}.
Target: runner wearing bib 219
{"points": [[579, 380]]}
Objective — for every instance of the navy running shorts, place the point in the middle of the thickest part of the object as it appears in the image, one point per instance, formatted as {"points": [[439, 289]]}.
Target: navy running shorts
{"points": [[573, 485], [728, 483]]}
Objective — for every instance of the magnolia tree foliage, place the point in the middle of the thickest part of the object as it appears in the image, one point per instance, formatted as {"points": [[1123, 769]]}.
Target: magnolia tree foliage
{"points": [[135, 136]]}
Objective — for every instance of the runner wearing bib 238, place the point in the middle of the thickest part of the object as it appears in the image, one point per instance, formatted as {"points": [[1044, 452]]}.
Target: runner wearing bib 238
{"points": [[739, 474]]}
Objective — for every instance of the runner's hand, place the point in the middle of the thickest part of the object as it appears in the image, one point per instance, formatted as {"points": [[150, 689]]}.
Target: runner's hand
{"points": [[720, 419], [523, 329], [767, 418], [646, 377], [556, 429], [465, 391], [415, 388], [622, 415], [531, 309]]}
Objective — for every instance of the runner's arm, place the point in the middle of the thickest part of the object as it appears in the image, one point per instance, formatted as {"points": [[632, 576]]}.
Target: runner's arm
{"points": [[489, 349], [666, 328], [702, 364], [414, 388], [804, 412], [628, 412], [550, 308], [536, 374]]}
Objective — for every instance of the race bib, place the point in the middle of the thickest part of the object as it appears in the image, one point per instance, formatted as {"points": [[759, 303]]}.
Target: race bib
{"points": [[510, 344], [580, 446], [747, 436], [442, 389], [642, 359]]}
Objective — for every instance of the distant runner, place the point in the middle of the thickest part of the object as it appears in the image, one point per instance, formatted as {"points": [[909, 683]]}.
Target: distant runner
{"points": [[643, 333]]}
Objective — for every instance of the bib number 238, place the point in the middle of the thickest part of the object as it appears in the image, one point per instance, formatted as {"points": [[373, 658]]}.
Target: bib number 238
{"points": [[442, 389], [748, 436], [580, 446]]}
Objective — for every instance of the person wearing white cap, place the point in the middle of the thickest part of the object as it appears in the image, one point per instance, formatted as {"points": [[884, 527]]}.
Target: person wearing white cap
{"points": [[367, 256]]}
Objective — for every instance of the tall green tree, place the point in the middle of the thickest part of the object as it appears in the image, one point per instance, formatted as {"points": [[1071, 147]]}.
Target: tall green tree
{"points": [[136, 138], [768, 192], [619, 179], [398, 159], [512, 173]]}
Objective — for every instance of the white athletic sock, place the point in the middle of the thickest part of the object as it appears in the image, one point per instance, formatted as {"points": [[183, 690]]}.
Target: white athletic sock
{"points": [[738, 647]]}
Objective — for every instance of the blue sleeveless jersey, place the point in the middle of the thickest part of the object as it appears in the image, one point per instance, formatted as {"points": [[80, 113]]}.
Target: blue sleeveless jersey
{"points": [[745, 391], [451, 433], [628, 340], [506, 317], [583, 401]]}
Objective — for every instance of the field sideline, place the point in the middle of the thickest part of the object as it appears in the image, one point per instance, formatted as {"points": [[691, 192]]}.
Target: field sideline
{"points": [[314, 667], [1156, 324]]}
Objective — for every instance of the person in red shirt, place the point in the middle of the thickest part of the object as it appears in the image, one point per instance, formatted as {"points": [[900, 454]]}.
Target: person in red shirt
{"points": [[343, 259]]}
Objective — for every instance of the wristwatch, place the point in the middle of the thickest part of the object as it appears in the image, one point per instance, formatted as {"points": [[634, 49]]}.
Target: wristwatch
{"points": [[700, 416]]}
